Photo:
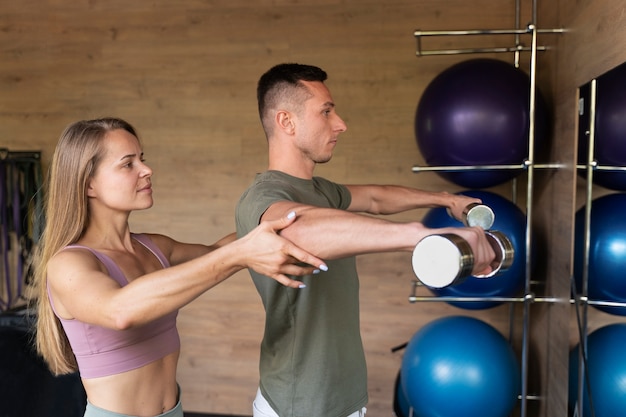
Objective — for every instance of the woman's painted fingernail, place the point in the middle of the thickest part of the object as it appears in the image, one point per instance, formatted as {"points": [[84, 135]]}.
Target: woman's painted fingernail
{"points": [[323, 267], [302, 286], [291, 215]]}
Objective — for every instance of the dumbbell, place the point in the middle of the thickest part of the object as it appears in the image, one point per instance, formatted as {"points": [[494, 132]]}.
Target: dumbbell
{"points": [[476, 214], [447, 259]]}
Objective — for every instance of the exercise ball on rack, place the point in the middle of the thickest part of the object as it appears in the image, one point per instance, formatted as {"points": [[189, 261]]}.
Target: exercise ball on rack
{"points": [[460, 366], [610, 125], [606, 373], [510, 220], [607, 251], [477, 113], [401, 406]]}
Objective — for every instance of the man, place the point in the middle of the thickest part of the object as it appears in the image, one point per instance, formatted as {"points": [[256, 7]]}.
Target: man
{"points": [[312, 359]]}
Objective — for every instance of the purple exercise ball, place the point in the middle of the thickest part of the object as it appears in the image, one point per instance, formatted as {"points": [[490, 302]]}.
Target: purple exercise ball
{"points": [[610, 128], [477, 113]]}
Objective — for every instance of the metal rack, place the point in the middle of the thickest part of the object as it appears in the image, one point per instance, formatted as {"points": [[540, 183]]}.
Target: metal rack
{"points": [[528, 165], [581, 300], [517, 48], [586, 244]]}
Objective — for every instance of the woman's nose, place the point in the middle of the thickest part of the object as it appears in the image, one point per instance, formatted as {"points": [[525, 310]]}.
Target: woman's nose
{"points": [[146, 171]]}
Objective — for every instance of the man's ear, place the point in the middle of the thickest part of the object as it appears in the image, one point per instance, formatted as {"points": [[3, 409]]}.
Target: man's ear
{"points": [[285, 122]]}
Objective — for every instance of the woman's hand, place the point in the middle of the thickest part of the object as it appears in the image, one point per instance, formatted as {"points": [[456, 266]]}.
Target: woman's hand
{"points": [[274, 256]]}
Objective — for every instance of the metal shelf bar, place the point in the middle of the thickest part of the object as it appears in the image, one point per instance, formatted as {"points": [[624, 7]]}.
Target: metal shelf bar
{"points": [[453, 168], [530, 30], [526, 298], [526, 31], [595, 167], [500, 50]]}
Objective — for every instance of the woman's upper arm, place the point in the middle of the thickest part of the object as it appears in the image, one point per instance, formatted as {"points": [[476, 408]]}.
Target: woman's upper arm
{"points": [[178, 252], [80, 286]]}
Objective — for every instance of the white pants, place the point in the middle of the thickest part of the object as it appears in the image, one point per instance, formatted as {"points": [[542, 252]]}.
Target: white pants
{"points": [[261, 408]]}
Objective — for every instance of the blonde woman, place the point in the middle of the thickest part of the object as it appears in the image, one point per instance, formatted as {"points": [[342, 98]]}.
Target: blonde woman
{"points": [[108, 298]]}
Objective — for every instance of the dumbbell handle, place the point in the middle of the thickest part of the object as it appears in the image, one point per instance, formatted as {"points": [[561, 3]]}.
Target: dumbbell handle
{"points": [[442, 260], [476, 214], [503, 248]]}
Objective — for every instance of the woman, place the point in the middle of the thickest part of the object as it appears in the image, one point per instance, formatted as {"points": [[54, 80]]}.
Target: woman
{"points": [[108, 298]]}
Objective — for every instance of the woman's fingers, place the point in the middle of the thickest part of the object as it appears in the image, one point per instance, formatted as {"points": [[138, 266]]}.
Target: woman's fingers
{"points": [[291, 249], [276, 257]]}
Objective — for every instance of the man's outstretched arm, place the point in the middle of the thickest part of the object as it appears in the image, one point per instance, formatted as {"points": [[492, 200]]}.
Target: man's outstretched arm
{"points": [[331, 233]]}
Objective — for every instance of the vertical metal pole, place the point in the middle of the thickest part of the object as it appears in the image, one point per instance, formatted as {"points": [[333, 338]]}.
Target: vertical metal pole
{"points": [[529, 219], [517, 26], [587, 244]]}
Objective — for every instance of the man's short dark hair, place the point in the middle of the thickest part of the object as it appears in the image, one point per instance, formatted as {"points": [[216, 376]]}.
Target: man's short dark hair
{"points": [[281, 79]]}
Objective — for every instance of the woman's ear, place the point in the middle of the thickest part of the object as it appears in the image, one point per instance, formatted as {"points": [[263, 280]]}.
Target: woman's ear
{"points": [[90, 190]]}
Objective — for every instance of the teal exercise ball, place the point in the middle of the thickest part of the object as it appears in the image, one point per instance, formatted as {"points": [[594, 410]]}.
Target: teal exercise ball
{"points": [[606, 373], [607, 252], [460, 366]]}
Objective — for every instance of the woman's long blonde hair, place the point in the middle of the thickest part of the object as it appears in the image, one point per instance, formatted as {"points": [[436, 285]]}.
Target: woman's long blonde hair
{"points": [[74, 162]]}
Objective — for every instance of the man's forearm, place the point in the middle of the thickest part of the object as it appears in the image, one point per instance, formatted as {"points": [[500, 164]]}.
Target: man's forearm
{"points": [[391, 199], [332, 234]]}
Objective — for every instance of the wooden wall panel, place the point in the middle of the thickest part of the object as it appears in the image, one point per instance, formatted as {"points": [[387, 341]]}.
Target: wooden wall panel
{"points": [[593, 44], [184, 73]]}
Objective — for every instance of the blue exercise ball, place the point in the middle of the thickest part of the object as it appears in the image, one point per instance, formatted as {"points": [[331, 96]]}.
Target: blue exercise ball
{"points": [[607, 251], [477, 113], [460, 366], [510, 220], [401, 406], [610, 129], [606, 373]]}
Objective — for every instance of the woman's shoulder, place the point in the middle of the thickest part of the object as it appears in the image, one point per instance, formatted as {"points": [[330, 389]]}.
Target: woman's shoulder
{"points": [[74, 257], [164, 243]]}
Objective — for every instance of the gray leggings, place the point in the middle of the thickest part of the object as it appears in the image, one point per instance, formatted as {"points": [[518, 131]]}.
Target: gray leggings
{"points": [[93, 411]]}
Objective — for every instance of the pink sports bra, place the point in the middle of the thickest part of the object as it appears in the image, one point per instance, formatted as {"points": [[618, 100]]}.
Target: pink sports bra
{"points": [[102, 351]]}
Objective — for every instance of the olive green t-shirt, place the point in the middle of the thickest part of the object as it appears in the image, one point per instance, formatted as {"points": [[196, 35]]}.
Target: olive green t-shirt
{"points": [[312, 361]]}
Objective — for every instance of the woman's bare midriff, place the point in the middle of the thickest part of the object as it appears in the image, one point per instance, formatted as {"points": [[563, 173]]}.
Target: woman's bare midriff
{"points": [[144, 392]]}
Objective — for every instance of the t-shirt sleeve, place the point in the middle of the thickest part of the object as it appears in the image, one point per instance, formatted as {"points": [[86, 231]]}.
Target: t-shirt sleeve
{"points": [[337, 195], [258, 198], [255, 201]]}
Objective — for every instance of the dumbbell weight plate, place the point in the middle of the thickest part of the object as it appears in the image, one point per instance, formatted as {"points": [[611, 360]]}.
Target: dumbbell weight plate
{"points": [[478, 215], [442, 260]]}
